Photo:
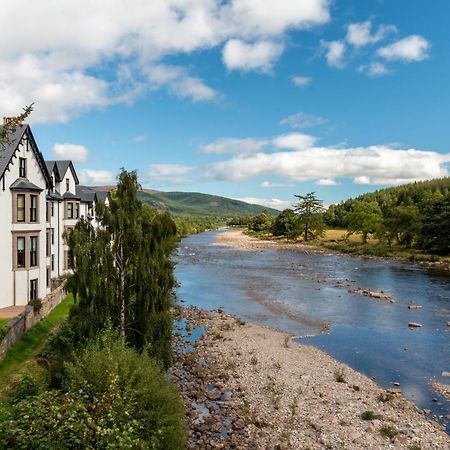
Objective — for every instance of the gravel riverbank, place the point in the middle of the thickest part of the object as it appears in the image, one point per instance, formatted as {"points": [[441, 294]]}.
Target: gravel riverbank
{"points": [[252, 387]]}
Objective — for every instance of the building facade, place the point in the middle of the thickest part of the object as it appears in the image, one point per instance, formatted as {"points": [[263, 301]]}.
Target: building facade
{"points": [[39, 201]]}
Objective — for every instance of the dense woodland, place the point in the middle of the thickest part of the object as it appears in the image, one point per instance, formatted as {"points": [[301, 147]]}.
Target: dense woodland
{"points": [[412, 216]]}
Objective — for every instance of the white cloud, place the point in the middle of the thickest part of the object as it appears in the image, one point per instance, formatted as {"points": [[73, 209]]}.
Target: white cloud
{"points": [[360, 34], [94, 53], [180, 83], [228, 145], [374, 69], [408, 49], [375, 165], [327, 182], [294, 141], [301, 81], [335, 53], [139, 139], [74, 152], [269, 185], [303, 120], [168, 174], [93, 177], [274, 203], [258, 56]]}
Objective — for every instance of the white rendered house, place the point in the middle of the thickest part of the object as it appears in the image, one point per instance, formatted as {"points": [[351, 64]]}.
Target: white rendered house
{"points": [[39, 200]]}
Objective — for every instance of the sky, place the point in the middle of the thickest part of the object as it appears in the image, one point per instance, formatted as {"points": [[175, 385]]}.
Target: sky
{"points": [[251, 99]]}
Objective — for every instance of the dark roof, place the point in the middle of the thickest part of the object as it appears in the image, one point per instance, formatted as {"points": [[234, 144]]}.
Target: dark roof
{"points": [[9, 149], [70, 196], [54, 196], [22, 184], [102, 196], [85, 193], [61, 169]]}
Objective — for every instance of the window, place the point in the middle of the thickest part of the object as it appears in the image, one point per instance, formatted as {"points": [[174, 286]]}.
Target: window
{"points": [[67, 184], [33, 289], [53, 235], [53, 262], [90, 210], [77, 209], [20, 252], [33, 250], [53, 209], [47, 247], [33, 208], [22, 168], [48, 277], [47, 211], [20, 208], [70, 210]]}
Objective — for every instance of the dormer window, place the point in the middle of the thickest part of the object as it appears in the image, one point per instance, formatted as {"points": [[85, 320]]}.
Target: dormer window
{"points": [[22, 168], [67, 184]]}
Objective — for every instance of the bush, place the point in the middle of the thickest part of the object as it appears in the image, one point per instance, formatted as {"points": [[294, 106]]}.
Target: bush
{"points": [[112, 397], [368, 415]]}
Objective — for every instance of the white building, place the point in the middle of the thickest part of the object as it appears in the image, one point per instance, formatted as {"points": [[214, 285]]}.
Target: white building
{"points": [[39, 200]]}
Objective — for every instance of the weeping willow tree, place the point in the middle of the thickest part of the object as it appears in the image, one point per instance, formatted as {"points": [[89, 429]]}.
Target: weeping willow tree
{"points": [[122, 274]]}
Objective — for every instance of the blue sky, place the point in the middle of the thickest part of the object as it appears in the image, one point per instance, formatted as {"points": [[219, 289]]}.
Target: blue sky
{"points": [[248, 99]]}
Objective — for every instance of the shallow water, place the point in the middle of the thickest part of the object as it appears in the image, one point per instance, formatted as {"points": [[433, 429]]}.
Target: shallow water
{"points": [[310, 294]]}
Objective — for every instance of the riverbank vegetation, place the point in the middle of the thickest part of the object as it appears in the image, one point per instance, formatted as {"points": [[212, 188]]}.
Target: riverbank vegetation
{"points": [[103, 381], [409, 221]]}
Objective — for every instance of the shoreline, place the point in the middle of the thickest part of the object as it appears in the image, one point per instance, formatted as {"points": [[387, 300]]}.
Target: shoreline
{"points": [[248, 386], [236, 238]]}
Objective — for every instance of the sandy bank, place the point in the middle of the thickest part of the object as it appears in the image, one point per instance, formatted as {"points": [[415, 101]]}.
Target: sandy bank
{"points": [[262, 391]]}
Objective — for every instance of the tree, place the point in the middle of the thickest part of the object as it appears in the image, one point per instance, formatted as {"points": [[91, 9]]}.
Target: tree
{"points": [[285, 224], [13, 122], [365, 218], [122, 273], [260, 222], [310, 210], [434, 235], [401, 223]]}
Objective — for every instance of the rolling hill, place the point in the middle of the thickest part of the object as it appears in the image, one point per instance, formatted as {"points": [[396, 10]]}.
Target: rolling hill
{"points": [[197, 204]]}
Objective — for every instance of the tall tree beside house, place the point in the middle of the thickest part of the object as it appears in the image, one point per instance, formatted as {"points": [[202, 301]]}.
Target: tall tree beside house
{"points": [[310, 211], [122, 273], [12, 123]]}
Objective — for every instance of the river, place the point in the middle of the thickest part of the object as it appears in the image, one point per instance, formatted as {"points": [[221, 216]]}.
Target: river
{"points": [[310, 295]]}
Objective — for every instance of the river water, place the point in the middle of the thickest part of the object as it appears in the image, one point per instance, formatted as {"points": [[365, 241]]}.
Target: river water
{"points": [[311, 296]]}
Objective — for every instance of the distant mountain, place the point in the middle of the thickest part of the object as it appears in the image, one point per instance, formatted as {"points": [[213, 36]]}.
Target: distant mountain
{"points": [[197, 204]]}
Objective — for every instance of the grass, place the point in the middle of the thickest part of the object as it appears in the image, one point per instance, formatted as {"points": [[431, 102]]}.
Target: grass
{"points": [[32, 342], [389, 431], [3, 322]]}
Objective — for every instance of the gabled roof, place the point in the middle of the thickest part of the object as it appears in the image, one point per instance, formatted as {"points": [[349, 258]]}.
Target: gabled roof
{"points": [[101, 196], [70, 196], [22, 184], [8, 151], [85, 193], [60, 168]]}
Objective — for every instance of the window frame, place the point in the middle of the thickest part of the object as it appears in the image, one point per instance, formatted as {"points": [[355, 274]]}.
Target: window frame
{"points": [[34, 289], [21, 208], [22, 253], [67, 184], [70, 210], [34, 209], [34, 251], [22, 167]]}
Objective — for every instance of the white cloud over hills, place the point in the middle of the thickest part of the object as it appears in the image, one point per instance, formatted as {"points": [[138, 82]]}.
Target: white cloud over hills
{"points": [[74, 152]]}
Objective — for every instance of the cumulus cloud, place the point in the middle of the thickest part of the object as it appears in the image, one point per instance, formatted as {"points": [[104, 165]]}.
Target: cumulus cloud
{"points": [[93, 53], [269, 185], [301, 81], [93, 177], [360, 34], [294, 141], [180, 83], [334, 53], [229, 145], [258, 56], [303, 120], [379, 165], [74, 152], [374, 69], [168, 174], [327, 182], [274, 203], [409, 49]]}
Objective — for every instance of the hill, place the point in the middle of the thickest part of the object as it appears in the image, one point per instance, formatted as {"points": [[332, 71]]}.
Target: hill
{"points": [[197, 204]]}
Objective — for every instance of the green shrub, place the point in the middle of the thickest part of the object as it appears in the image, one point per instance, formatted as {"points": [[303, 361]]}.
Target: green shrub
{"points": [[112, 397], [368, 415], [388, 431]]}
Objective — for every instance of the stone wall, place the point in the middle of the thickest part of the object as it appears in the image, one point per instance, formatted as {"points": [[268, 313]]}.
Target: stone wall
{"points": [[29, 317]]}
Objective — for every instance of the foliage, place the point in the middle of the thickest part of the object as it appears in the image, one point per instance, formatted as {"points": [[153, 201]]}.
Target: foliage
{"points": [[260, 222], [112, 398], [434, 235], [36, 304], [401, 224], [191, 225], [122, 273], [285, 224], [310, 216], [365, 218], [7, 129]]}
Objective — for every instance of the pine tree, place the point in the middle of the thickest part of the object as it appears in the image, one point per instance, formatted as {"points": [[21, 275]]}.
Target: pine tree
{"points": [[310, 215]]}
